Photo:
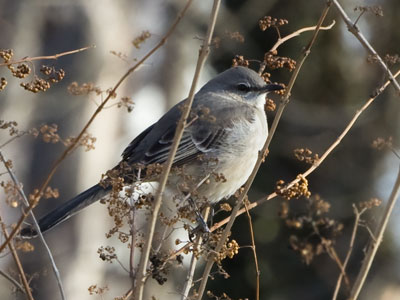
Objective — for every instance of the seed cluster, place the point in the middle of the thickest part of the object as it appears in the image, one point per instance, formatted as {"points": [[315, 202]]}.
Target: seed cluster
{"points": [[381, 143], [313, 232], [3, 83], [296, 191], [273, 61], [305, 154], [141, 39], [375, 9], [22, 70], [239, 60], [268, 21]]}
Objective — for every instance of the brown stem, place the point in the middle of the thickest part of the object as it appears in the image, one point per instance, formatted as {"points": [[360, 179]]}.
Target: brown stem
{"points": [[375, 243], [253, 248], [26, 203], [55, 56], [352, 27], [142, 269], [349, 251], [17, 262]]}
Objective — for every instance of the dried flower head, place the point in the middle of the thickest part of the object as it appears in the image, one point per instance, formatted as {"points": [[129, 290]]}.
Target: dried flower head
{"points": [[296, 190], [11, 191], [268, 21], [273, 61], [313, 232], [11, 126], [75, 89], [3, 83], [270, 105], [375, 9], [392, 59], [381, 143], [21, 71], [141, 39], [239, 60], [94, 289], [373, 202], [126, 102], [305, 154]]}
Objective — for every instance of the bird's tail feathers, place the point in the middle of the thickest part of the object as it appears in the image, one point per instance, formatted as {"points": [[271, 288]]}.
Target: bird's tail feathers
{"points": [[67, 210]]}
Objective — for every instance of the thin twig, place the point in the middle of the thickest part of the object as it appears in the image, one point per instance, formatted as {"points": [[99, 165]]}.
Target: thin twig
{"points": [[13, 281], [12, 139], [349, 251], [294, 34], [17, 262], [35, 223], [253, 248], [318, 162], [133, 241], [193, 261], [55, 56], [298, 32], [205, 49], [76, 141], [128, 294], [239, 201], [352, 27], [373, 248]]}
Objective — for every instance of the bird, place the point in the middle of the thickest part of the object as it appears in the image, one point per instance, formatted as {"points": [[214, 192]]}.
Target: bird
{"points": [[226, 129]]}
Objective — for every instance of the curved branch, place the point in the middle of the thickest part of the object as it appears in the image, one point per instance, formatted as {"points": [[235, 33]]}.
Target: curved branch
{"points": [[298, 32]]}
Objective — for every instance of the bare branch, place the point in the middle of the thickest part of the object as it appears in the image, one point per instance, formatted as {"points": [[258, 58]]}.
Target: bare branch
{"points": [[55, 56], [352, 27], [193, 261], [13, 281], [298, 32], [205, 49], [373, 248], [253, 248], [17, 262], [349, 251], [262, 153], [35, 223]]}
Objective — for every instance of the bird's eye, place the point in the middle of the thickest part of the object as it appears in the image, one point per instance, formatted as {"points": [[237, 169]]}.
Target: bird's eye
{"points": [[243, 87]]}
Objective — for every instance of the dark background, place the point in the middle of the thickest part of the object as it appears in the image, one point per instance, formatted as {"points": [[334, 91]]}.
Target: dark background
{"points": [[334, 82]]}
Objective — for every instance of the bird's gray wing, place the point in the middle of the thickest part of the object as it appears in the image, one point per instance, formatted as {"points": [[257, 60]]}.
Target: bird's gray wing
{"points": [[153, 145], [210, 123]]}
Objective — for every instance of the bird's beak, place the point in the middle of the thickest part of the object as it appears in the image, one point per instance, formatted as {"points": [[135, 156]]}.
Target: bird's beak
{"points": [[271, 87]]}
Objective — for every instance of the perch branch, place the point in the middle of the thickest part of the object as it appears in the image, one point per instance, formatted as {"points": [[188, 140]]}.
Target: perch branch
{"points": [[205, 49]]}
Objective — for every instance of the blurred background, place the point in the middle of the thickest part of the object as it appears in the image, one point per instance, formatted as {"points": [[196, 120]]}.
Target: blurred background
{"points": [[334, 82]]}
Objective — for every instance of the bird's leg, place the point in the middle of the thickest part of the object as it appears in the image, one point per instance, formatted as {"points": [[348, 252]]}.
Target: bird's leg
{"points": [[202, 226], [212, 214]]}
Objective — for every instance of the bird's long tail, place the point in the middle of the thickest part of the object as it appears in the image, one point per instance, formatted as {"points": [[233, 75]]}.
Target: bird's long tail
{"points": [[67, 210]]}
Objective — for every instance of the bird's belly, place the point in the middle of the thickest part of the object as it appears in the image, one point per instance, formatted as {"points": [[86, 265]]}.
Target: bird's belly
{"points": [[235, 162]]}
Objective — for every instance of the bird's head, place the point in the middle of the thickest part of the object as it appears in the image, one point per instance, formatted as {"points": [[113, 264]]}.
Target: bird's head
{"points": [[242, 84]]}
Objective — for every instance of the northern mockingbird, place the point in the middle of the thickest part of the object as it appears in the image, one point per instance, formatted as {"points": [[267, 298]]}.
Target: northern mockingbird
{"points": [[218, 150]]}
